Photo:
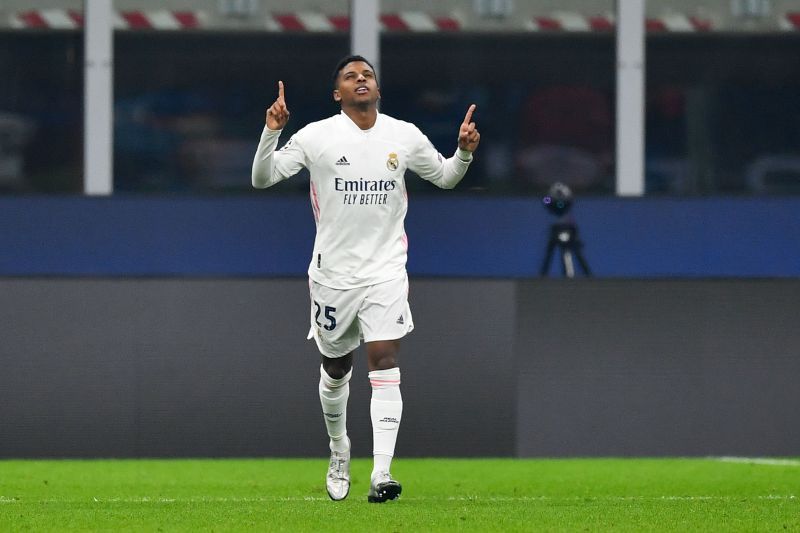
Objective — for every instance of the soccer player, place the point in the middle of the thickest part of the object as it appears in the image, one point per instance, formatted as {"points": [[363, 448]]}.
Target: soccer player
{"points": [[358, 281]]}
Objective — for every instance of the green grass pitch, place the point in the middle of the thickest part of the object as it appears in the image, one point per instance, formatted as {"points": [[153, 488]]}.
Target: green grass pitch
{"points": [[438, 495]]}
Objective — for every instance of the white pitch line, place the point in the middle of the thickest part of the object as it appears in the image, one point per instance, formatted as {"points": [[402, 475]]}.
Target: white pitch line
{"points": [[617, 498], [491, 499], [758, 461]]}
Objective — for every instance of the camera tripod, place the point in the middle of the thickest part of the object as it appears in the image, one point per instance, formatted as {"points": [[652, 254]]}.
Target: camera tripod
{"points": [[564, 235]]}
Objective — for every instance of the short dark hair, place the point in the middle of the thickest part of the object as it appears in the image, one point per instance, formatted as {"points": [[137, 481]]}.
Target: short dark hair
{"points": [[346, 61]]}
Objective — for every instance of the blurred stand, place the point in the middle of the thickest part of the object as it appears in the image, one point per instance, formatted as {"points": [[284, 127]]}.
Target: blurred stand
{"points": [[774, 174], [563, 234], [15, 133], [722, 110], [566, 135]]}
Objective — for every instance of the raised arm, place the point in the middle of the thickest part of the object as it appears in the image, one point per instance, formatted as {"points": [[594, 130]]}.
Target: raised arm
{"points": [[269, 166], [446, 173], [468, 136], [278, 113]]}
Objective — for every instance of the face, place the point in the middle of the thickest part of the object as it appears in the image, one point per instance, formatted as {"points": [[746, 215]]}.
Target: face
{"points": [[357, 85]]}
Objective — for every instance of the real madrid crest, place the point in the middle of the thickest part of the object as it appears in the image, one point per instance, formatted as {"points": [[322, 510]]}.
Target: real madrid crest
{"points": [[392, 163]]}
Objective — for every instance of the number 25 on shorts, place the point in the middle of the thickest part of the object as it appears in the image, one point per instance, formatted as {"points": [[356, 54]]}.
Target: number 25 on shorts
{"points": [[328, 316]]}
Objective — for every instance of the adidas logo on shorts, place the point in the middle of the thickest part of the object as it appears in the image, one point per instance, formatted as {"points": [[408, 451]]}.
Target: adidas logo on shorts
{"points": [[342, 161], [400, 320]]}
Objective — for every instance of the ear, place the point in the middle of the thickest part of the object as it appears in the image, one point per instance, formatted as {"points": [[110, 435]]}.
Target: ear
{"points": [[336, 96]]}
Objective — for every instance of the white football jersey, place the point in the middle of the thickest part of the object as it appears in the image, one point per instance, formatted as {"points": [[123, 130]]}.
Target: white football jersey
{"points": [[358, 194]]}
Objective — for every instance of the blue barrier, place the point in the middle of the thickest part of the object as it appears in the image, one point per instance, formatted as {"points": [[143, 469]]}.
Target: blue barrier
{"points": [[449, 235]]}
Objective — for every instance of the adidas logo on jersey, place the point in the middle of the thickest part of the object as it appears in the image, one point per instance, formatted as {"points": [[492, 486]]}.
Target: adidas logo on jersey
{"points": [[343, 161], [400, 320]]}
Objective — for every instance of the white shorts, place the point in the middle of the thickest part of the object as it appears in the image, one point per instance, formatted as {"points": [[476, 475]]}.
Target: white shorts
{"points": [[340, 319]]}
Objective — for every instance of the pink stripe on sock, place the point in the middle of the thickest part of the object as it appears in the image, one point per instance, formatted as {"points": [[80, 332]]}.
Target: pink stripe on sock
{"points": [[384, 384]]}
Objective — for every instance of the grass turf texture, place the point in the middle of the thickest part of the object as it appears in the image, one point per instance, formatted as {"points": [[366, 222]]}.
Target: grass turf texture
{"points": [[438, 495]]}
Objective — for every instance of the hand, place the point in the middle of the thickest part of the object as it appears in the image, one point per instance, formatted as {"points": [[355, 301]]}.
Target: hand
{"points": [[278, 113], [468, 136]]}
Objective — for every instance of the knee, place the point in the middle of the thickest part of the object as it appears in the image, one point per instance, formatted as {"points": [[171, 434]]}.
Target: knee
{"points": [[383, 359], [336, 368]]}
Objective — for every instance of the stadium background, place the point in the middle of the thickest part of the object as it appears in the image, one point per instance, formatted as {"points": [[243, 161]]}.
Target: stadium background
{"points": [[168, 319]]}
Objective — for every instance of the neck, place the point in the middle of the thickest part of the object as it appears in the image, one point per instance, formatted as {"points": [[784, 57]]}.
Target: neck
{"points": [[363, 117]]}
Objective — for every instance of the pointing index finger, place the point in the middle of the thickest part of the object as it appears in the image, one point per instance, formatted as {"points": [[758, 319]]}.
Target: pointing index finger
{"points": [[468, 117], [280, 90]]}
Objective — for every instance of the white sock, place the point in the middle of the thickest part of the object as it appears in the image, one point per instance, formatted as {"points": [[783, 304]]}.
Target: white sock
{"points": [[333, 395], [386, 410]]}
